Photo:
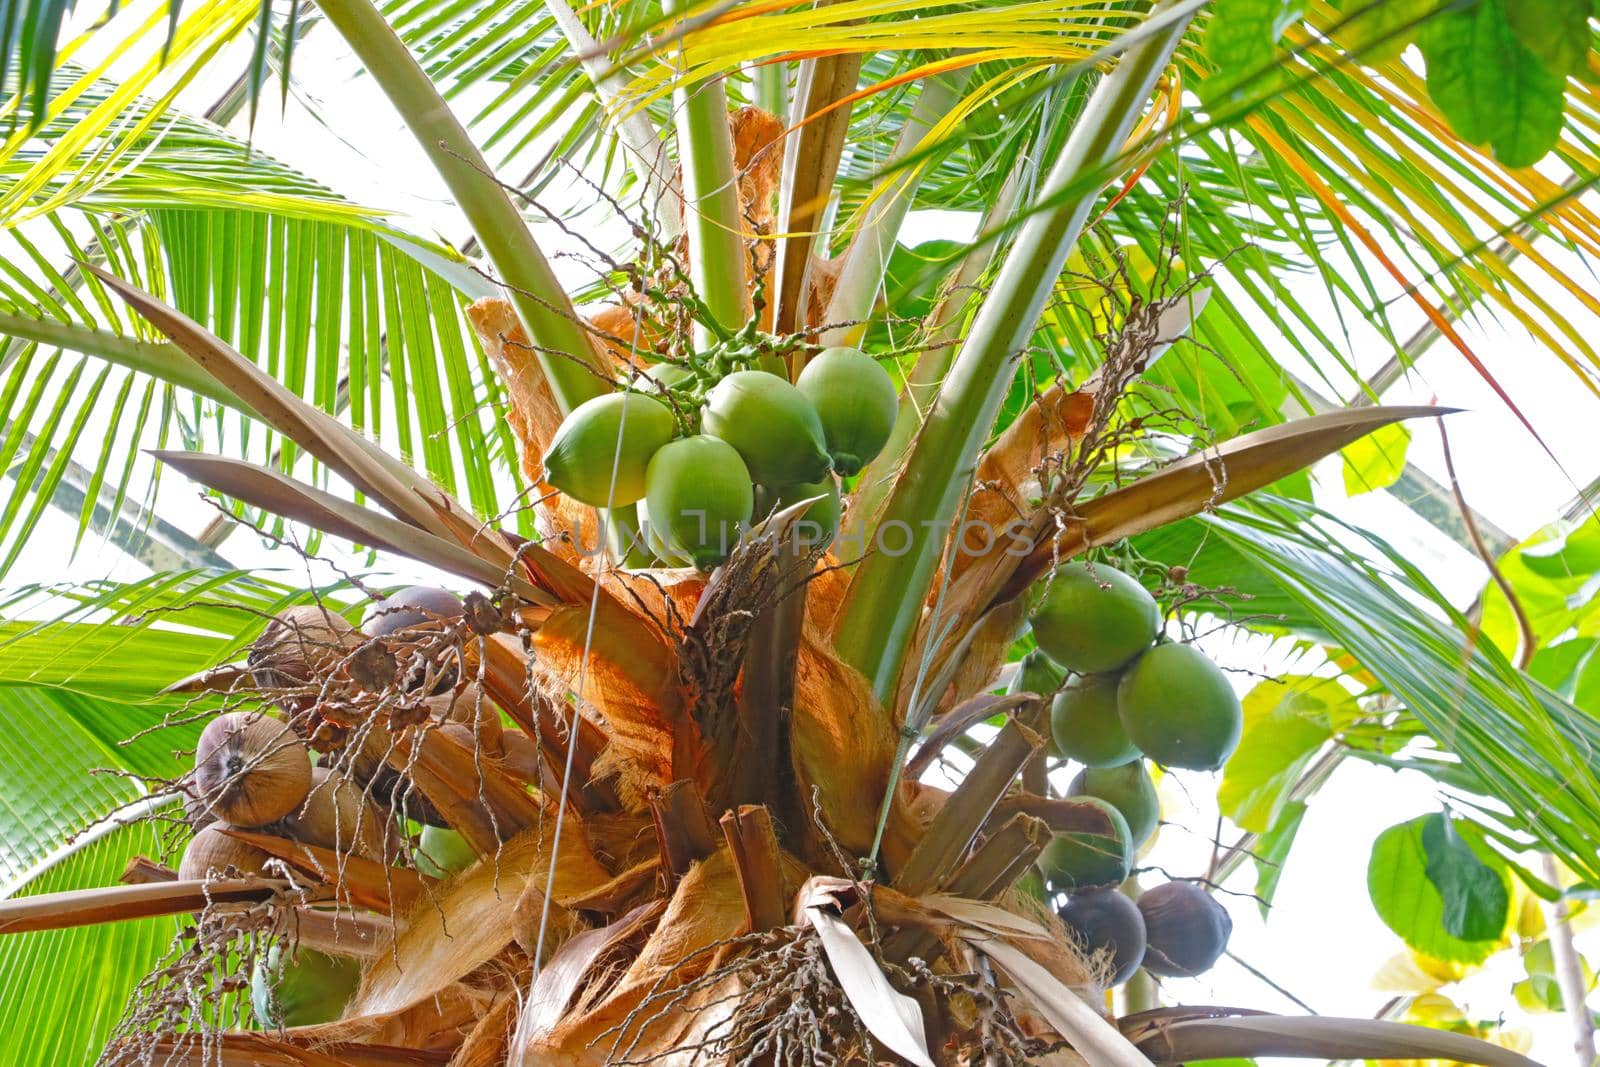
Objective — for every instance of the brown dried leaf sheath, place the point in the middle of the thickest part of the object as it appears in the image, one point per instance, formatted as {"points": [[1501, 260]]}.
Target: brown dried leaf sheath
{"points": [[470, 920], [534, 417], [704, 911]]}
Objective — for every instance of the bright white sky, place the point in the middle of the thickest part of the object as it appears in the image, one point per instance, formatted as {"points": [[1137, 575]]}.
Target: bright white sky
{"points": [[1323, 941]]}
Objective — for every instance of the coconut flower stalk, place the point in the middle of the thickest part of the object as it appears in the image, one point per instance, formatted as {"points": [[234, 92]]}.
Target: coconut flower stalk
{"points": [[589, 813]]}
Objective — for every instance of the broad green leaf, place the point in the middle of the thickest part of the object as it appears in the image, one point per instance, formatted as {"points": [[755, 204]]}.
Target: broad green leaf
{"points": [[1586, 686], [1555, 31], [1377, 460], [1286, 722], [1476, 898], [1558, 553], [1378, 32], [1490, 86], [1540, 992], [1552, 574], [71, 986], [1272, 852], [1242, 42], [1409, 903], [1563, 666]]}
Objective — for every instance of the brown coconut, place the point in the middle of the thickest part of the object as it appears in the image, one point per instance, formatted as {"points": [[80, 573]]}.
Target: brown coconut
{"points": [[338, 815], [300, 649], [250, 769], [213, 854]]}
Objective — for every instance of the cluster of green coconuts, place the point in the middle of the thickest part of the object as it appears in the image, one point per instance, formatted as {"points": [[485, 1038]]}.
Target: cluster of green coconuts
{"points": [[684, 472], [1132, 697], [254, 772]]}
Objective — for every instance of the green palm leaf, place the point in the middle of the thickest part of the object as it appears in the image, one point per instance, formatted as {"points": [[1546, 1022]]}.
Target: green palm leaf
{"points": [[1526, 745], [71, 985]]}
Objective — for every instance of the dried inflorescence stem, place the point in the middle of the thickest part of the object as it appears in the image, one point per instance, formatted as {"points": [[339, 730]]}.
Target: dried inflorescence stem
{"points": [[776, 1001], [201, 988]]}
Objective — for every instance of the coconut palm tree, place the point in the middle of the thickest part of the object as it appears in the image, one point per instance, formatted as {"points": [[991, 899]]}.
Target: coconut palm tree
{"points": [[633, 794]]}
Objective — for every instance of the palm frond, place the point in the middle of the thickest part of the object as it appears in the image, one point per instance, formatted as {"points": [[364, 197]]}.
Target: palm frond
{"points": [[1531, 750], [152, 156], [343, 316], [71, 985]]}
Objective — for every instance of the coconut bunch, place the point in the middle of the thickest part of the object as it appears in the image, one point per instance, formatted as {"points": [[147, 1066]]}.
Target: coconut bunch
{"points": [[1132, 697], [317, 778], [687, 455]]}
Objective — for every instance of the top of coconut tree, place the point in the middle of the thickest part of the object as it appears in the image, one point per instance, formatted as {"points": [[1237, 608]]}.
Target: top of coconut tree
{"points": [[789, 574]]}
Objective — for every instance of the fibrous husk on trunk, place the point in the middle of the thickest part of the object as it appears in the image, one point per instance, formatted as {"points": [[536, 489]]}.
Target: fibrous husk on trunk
{"points": [[622, 667], [843, 747]]}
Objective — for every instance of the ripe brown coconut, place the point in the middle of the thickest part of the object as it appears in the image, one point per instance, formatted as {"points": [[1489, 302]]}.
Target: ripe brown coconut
{"points": [[211, 853], [299, 650], [250, 769], [337, 814]]}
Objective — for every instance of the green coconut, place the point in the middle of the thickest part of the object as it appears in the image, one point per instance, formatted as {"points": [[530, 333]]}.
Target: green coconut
{"points": [[666, 375], [302, 989], [626, 540], [1085, 726], [441, 852], [653, 541], [1180, 708], [700, 498], [857, 402], [617, 433], [819, 523], [771, 424], [1078, 860], [1127, 788], [1037, 673], [1093, 618]]}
